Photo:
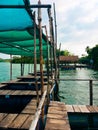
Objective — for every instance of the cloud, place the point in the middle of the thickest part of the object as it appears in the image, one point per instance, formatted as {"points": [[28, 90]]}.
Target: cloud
{"points": [[77, 23]]}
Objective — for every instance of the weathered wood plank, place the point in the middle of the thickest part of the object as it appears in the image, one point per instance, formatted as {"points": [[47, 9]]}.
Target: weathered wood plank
{"points": [[28, 111], [34, 92], [19, 121], [16, 92], [2, 85], [57, 118], [83, 109], [30, 77], [56, 104], [55, 111], [2, 116], [31, 107], [4, 92], [57, 124], [22, 83], [69, 108], [95, 108], [76, 108], [28, 122], [7, 120], [91, 109]]}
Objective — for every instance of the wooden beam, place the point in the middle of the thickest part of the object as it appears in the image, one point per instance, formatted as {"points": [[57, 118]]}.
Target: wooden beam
{"points": [[25, 6]]}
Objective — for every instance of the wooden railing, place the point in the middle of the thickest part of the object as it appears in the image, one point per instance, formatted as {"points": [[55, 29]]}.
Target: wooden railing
{"points": [[90, 87], [38, 112]]}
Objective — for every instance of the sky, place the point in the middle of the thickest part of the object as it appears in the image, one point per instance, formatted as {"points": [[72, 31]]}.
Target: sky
{"points": [[77, 24]]}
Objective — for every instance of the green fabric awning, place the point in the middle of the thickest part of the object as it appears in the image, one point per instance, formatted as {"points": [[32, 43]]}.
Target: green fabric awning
{"points": [[17, 30]]}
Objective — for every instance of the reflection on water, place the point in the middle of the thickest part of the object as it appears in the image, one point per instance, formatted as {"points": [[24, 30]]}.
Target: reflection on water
{"points": [[77, 92]]}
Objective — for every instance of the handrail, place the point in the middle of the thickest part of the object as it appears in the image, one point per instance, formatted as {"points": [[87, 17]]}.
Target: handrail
{"points": [[78, 79], [52, 89], [90, 87], [38, 112]]}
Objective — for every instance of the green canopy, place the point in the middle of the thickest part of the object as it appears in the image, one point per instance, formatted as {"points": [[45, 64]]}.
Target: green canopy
{"points": [[17, 30]]}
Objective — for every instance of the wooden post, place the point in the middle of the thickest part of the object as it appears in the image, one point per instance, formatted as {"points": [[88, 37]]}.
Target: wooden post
{"points": [[22, 67], [35, 60], [55, 26], [41, 55], [54, 47], [51, 47], [10, 67], [48, 93], [91, 91], [59, 62], [41, 51], [28, 67]]}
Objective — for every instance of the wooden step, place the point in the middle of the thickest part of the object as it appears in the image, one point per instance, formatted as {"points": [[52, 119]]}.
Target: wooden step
{"points": [[57, 118]]}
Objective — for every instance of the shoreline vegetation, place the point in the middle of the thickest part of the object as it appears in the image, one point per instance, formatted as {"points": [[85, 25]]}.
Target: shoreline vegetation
{"points": [[4, 60], [90, 59]]}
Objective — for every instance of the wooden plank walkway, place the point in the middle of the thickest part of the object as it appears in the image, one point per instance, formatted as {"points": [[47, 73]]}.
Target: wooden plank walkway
{"points": [[27, 77], [57, 118], [18, 92], [81, 109], [18, 104], [21, 120]]}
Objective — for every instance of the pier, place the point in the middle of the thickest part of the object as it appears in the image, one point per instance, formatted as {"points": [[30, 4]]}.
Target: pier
{"points": [[68, 117], [30, 101]]}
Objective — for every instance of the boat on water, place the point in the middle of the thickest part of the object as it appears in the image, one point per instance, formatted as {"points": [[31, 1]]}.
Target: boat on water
{"points": [[29, 102]]}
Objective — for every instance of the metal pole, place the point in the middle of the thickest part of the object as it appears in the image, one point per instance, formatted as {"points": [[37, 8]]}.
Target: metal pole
{"points": [[10, 67], [91, 91], [35, 60]]}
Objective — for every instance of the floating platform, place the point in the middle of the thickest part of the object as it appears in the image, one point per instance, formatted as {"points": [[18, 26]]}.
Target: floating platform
{"points": [[71, 117]]}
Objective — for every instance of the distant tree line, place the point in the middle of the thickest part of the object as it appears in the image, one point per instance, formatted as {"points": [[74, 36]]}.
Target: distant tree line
{"points": [[4, 60], [63, 53], [91, 58], [23, 59]]}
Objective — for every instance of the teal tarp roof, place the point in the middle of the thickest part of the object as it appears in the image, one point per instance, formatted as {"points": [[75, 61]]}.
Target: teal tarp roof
{"points": [[14, 19], [17, 30]]}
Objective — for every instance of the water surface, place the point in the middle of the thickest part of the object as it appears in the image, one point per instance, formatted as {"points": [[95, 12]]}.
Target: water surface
{"points": [[77, 92], [71, 92]]}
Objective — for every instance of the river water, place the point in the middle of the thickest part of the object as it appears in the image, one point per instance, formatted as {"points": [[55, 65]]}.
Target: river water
{"points": [[77, 92], [70, 92]]}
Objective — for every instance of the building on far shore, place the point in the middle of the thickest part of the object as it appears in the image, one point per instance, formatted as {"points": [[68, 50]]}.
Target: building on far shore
{"points": [[68, 62]]}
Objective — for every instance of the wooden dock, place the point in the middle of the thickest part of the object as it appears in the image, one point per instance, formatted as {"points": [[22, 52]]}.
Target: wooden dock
{"points": [[21, 120], [82, 109], [81, 116], [18, 103], [57, 118]]}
